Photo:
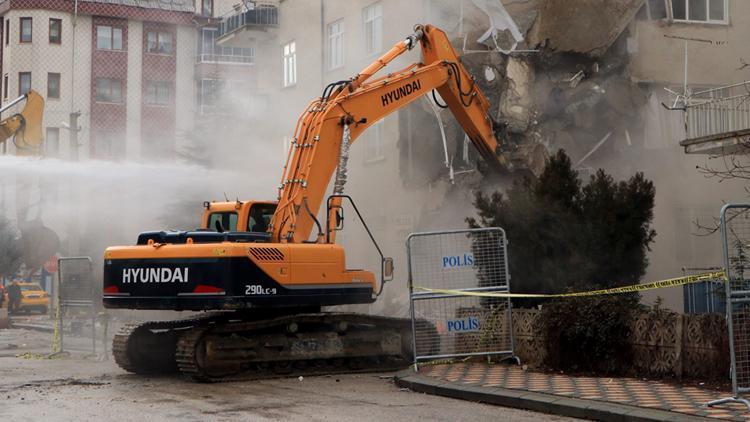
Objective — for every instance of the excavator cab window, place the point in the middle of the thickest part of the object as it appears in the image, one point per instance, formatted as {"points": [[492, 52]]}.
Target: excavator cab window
{"points": [[223, 221], [260, 217]]}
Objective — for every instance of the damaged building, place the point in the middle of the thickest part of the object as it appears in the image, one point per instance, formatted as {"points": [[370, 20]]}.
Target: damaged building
{"points": [[584, 75]]}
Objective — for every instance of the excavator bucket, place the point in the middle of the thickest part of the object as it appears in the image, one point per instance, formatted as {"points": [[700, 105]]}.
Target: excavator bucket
{"points": [[26, 126]]}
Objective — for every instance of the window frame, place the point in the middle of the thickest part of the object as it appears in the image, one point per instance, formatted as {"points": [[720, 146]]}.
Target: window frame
{"points": [[155, 100], [289, 66], [708, 20], [59, 31], [49, 95], [56, 130], [670, 13], [20, 76], [96, 91], [336, 39], [374, 141], [203, 8], [21, 20], [158, 35], [112, 29], [377, 44]]}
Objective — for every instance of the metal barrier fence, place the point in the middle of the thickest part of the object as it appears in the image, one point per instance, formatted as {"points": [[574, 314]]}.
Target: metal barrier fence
{"points": [[735, 237], [703, 298], [78, 305], [447, 325]]}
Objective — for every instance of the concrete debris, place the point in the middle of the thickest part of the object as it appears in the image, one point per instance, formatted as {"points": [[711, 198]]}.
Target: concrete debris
{"points": [[500, 21], [517, 100], [582, 26], [571, 92]]}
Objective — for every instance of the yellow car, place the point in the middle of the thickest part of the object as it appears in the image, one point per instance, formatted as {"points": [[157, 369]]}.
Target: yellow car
{"points": [[33, 298]]}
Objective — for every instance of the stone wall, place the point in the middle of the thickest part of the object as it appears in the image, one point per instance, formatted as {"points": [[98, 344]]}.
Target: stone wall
{"points": [[666, 344]]}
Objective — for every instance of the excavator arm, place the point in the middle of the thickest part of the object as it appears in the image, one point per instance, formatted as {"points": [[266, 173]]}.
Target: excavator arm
{"points": [[26, 126], [346, 109]]}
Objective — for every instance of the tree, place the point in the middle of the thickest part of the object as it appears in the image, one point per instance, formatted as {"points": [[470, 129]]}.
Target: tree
{"points": [[10, 249], [565, 236]]}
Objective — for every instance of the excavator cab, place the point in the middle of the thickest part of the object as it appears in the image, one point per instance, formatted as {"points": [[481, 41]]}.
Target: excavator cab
{"points": [[238, 216]]}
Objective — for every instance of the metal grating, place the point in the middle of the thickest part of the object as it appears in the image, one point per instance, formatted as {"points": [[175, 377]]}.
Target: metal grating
{"points": [[452, 324]]}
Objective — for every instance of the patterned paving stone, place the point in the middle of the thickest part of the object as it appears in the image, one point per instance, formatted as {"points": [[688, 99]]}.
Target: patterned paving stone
{"points": [[688, 400]]}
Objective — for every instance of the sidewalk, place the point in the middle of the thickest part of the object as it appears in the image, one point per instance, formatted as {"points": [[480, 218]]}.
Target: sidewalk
{"points": [[601, 398]]}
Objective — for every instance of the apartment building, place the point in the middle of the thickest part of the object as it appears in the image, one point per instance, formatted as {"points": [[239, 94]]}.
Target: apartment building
{"points": [[676, 45], [120, 65]]}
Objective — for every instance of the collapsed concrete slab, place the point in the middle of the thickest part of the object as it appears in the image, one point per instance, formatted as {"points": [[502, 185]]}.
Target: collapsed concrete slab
{"points": [[582, 26]]}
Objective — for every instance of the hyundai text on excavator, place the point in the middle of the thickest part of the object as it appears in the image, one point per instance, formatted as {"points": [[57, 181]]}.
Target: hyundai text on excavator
{"points": [[256, 258], [25, 127]]}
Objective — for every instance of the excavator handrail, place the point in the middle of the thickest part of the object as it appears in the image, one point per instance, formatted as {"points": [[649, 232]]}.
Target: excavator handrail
{"points": [[329, 207]]}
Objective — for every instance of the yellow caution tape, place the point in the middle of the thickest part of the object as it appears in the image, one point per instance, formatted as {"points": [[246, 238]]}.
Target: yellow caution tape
{"points": [[679, 281]]}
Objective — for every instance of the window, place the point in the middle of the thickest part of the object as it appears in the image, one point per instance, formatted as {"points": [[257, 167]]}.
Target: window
{"points": [[7, 31], [5, 86], [707, 11], [55, 31], [227, 221], [336, 44], [25, 29], [108, 90], [159, 42], [207, 8], [108, 38], [53, 85], [158, 92], [290, 64], [372, 17], [259, 217], [52, 142], [374, 144], [24, 83]]}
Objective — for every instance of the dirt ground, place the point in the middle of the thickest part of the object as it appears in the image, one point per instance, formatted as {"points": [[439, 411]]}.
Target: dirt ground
{"points": [[74, 387]]}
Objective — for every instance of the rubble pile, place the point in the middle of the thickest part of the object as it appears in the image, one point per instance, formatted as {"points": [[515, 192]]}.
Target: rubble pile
{"points": [[566, 85]]}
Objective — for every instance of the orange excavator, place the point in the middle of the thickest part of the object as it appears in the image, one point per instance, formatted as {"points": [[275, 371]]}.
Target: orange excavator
{"points": [[255, 263]]}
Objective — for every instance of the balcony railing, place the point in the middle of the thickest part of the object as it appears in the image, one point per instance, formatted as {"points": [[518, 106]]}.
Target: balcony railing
{"points": [[267, 15], [224, 58], [718, 111]]}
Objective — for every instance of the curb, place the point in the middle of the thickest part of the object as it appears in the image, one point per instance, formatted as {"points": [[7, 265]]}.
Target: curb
{"points": [[538, 402]]}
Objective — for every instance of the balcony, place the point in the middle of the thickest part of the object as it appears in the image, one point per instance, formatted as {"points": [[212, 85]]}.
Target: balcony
{"points": [[244, 26], [717, 120]]}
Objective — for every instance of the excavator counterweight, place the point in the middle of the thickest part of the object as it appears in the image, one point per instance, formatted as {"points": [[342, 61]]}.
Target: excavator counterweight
{"points": [[255, 261]]}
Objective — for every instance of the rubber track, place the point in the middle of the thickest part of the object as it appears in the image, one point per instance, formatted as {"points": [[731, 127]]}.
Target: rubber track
{"points": [[130, 332], [186, 349]]}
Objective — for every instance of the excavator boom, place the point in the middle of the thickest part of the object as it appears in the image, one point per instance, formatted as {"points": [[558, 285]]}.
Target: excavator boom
{"points": [[345, 110], [26, 126]]}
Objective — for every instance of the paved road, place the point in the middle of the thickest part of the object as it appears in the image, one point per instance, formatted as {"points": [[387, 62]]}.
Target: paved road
{"points": [[73, 388]]}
